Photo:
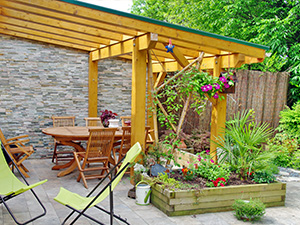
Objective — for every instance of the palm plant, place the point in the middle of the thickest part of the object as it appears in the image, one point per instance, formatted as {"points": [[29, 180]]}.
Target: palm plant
{"points": [[241, 146]]}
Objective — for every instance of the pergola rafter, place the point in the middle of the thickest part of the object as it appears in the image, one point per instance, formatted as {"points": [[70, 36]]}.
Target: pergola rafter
{"points": [[105, 33]]}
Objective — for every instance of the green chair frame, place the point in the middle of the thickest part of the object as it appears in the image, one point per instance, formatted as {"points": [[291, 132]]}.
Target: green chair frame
{"points": [[11, 186], [81, 204]]}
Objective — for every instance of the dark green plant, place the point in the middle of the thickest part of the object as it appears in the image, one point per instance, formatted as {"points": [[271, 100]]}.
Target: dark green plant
{"points": [[289, 123], [263, 177], [166, 182], [251, 210], [241, 147], [283, 158], [205, 167], [295, 161]]}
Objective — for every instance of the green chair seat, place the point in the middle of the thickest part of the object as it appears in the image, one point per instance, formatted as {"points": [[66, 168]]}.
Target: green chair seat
{"points": [[11, 186], [77, 202]]}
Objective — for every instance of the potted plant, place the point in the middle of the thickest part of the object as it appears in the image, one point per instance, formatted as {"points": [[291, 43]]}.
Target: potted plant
{"points": [[251, 210], [107, 115]]}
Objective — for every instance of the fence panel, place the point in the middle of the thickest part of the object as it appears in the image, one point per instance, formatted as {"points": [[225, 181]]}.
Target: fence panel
{"points": [[265, 93]]}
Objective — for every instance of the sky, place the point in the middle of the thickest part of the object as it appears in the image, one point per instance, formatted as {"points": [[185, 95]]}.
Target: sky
{"points": [[121, 5]]}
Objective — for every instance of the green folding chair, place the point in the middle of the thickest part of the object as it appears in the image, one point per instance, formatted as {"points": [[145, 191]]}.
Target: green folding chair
{"points": [[80, 204], [11, 186]]}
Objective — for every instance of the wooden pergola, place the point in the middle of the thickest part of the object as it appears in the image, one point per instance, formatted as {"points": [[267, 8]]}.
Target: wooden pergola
{"points": [[105, 33]]}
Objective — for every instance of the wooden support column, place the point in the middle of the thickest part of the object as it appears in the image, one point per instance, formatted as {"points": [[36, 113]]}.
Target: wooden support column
{"points": [[138, 94], [218, 114], [93, 86]]}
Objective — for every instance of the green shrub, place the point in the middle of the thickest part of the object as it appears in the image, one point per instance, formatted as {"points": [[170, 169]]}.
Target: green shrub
{"points": [[241, 146], [295, 161], [282, 158], [289, 122], [248, 210], [204, 166], [263, 177]]}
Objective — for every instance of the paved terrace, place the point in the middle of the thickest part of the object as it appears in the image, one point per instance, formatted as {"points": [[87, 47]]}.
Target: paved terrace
{"points": [[24, 206]]}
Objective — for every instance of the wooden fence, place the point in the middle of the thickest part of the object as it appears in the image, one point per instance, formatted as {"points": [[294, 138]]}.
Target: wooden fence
{"points": [[264, 92]]}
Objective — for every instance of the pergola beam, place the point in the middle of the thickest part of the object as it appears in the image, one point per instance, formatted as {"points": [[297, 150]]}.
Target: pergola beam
{"points": [[145, 41], [234, 61]]}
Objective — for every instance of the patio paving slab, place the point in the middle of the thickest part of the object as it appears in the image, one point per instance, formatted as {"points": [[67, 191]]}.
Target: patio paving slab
{"points": [[40, 169]]}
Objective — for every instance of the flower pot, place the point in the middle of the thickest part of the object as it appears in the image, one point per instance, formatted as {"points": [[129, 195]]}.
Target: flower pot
{"points": [[113, 123], [230, 90]]}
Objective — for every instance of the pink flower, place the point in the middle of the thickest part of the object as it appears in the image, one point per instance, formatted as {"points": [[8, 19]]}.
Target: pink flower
{"points": [[216, 96], [223, 79], [204, 88], [209, 87], [226, 85], [217, 86], [212, 161], [222, 184], [199, 158]]}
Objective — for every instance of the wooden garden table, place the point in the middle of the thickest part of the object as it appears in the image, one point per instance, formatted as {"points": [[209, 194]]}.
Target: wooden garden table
{"points": [[69, 136]]}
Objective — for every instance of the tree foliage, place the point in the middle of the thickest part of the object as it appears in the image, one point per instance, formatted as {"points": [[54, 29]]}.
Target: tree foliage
{"points": [[273, 23]]}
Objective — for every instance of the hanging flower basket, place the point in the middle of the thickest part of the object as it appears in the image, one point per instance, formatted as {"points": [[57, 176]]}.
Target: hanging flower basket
{"points": [[230, 83]]}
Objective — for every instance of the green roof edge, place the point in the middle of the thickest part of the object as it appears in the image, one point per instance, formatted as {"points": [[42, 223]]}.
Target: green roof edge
{"points": [[162, 23]]}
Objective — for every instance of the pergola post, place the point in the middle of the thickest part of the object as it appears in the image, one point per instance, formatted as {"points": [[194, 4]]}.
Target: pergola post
{"points": [[218, 113], [93, 86], [138, 94]]}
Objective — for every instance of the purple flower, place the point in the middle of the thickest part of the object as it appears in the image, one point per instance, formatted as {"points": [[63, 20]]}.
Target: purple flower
{"points": [[209, 87], [204, 88], [217, 86], [216, 95], [212, 161], [223, 79], [226, 85]]}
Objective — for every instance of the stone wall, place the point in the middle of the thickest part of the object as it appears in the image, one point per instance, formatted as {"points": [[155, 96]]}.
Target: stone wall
{"points": [[39, 80]]}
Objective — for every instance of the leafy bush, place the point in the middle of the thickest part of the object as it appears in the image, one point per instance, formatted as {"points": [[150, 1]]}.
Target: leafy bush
{"points": [[248, 210], [263, 177], [241, 147], [283, 148], [289, 122], [205, 167], [295, 161], [283, 158]]}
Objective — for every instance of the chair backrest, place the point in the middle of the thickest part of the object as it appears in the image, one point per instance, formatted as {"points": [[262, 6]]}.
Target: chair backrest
{"points": [[126, 120], [131, 155], [63, 121], [93, 122], [100, 142], [7, 177], [4, 142], [126, 140], [148, 137], [2, 138]]}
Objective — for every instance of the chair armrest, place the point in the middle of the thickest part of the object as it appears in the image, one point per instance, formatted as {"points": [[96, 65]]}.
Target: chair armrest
{"points": [[18, 142], [16, 138]]}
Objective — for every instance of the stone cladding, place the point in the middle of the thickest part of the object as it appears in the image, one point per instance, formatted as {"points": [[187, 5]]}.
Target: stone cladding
{"points": [[39, 80]]}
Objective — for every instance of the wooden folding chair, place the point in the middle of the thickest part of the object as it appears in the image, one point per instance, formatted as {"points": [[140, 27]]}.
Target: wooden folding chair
{"points": [[120, 151], [98, 150], [62, 121], [93, 122], [149, 140], [17, 151], [126, 120]]}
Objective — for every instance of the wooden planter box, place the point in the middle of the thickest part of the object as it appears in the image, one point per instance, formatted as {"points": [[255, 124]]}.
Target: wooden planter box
{"points": [[220, 199]]}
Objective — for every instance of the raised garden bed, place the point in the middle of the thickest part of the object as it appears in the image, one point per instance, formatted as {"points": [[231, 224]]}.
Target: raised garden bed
{"points": [[219, 199]]}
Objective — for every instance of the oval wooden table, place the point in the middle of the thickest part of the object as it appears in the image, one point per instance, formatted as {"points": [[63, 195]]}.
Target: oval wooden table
{"points": [[68, 136]]}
